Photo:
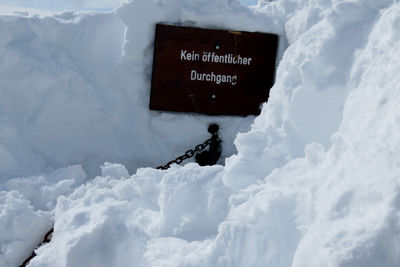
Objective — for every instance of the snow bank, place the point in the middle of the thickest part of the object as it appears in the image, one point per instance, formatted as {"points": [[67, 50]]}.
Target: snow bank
{"points": [[26, 210], [48, 188], [21, 228], [52, 70], [79, 83], [313, 183], [120, 215]]}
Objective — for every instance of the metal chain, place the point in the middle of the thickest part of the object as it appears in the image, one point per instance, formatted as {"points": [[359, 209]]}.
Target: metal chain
{"points": [[188, 154], [47, 239]]}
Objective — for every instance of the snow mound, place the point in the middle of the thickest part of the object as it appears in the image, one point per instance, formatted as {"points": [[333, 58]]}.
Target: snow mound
{"points": [[27, 210], [21, 228], [314, 182]]}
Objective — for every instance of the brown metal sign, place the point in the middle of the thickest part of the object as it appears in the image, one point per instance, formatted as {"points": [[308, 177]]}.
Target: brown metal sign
{"points": [[213, 72]]}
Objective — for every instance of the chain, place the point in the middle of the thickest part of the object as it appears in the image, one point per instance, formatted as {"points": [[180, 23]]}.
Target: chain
{"points": [[47, 239], [214, 142], [188, 154]]}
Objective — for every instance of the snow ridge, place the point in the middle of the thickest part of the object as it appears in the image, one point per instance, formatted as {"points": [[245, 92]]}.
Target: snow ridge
{"points": [[314, 181]]}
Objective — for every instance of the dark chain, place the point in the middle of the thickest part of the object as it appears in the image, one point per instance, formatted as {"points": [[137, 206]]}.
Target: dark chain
{"points": [[215, 150], [188, 154], [47, 239]]}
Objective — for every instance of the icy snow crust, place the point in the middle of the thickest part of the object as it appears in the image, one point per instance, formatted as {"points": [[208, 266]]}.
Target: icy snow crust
{"points": [[315, 182]]}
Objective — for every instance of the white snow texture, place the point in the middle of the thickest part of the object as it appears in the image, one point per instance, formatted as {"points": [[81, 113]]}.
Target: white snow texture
{"points": [[313, 181]]}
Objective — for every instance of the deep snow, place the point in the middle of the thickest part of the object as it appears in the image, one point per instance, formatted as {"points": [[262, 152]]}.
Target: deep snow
{"points": [[314, 181]]}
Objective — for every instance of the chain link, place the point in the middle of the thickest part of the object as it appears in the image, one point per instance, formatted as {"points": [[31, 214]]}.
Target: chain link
{"points": [[47, 239], [188, 154]]}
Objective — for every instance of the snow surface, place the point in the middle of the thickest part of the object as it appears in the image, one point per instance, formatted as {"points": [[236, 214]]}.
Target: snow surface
{"points": [[74, 5], [62, 5], [314, 182], [76, 90]]}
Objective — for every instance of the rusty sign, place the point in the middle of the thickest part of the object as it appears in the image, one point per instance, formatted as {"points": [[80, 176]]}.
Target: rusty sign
{"points": [[214, 72]]}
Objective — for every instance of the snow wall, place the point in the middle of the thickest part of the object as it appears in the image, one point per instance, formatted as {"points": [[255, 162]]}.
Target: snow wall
{"points": [[75, 89], [314, 182]]}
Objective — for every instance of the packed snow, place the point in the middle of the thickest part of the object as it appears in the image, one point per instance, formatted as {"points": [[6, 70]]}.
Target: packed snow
{"points": [[312, 181]]}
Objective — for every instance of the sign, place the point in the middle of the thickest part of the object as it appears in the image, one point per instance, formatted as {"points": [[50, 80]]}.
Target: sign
{"points": [[214, 72]]}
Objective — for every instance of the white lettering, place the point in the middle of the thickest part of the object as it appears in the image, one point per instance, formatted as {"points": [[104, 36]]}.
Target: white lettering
{"points": [[183, 54], [212, 77], [204, 58], [234, 80], [193, 75], [189, 56], [215, 58]]}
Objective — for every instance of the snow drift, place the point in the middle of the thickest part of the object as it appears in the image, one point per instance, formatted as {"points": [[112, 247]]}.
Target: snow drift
{"points": [[313, 183]]}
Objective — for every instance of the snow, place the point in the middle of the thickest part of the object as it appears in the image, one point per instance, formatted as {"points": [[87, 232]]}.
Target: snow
{"points": [[72, 68], [75, 5], [62, 5], [312, 181], [19, 222], [26, 206]]}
